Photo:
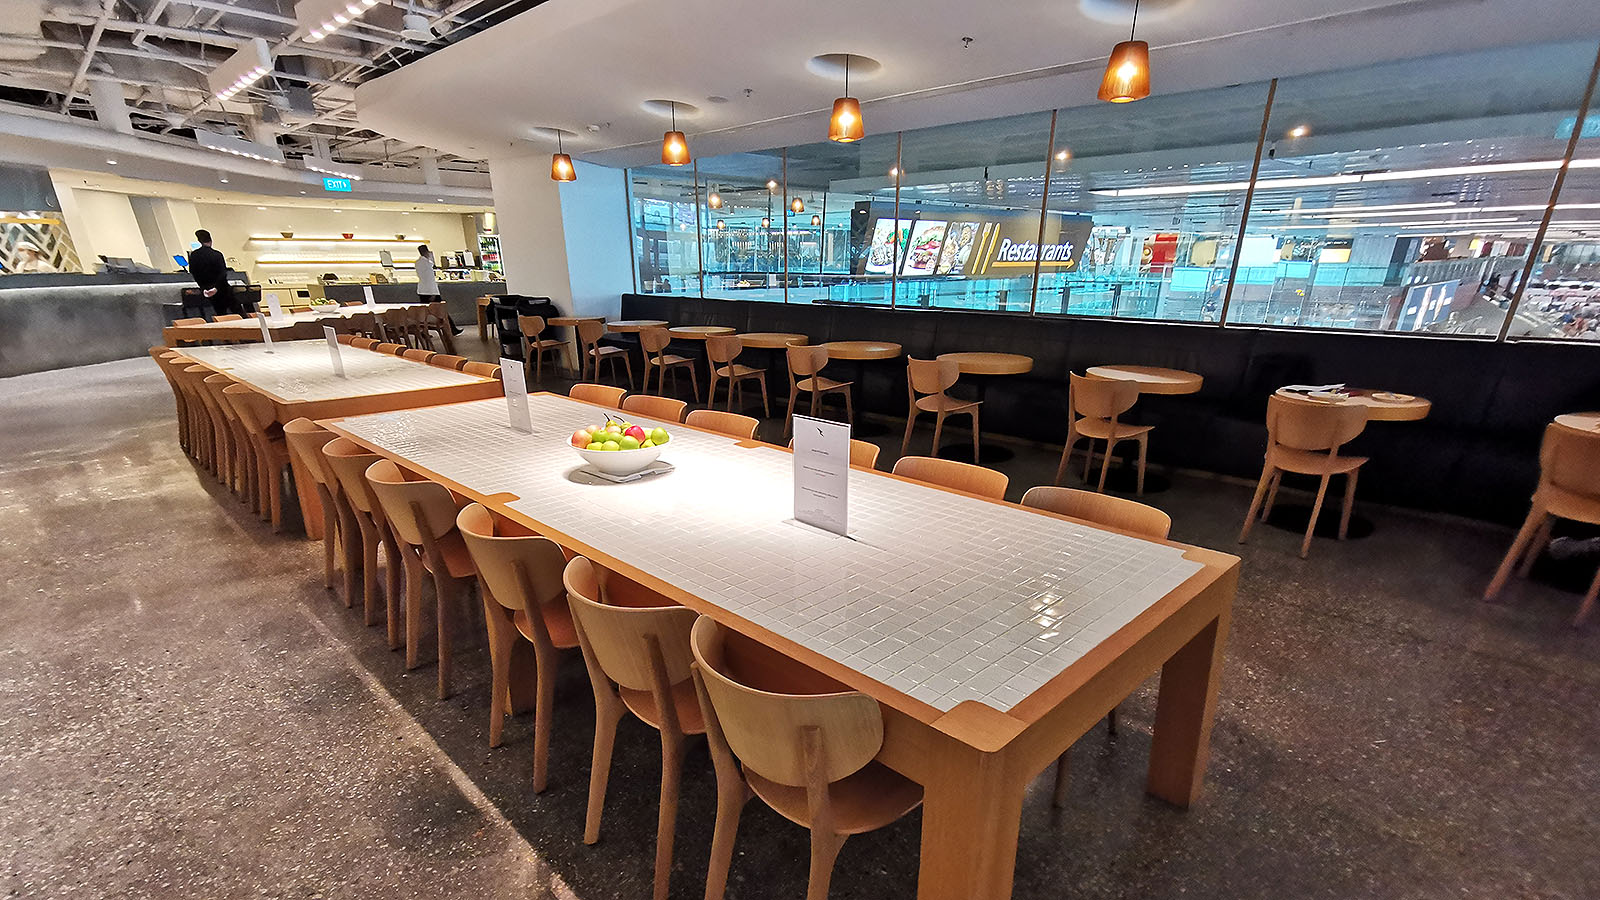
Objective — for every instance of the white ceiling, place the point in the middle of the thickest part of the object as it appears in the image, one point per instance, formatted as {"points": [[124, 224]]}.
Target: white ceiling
{"points": [[570, 64]]}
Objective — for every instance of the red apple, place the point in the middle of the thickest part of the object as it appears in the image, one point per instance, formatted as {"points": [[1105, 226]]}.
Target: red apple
{"points": [[637, 433], [580, 439]]}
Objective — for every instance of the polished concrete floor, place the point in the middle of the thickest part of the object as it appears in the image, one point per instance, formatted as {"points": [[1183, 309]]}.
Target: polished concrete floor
{"points": [[186, 712]]}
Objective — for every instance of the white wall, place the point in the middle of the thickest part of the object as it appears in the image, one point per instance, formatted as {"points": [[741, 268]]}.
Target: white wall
{"points": [[566, 241], [232, 226], [102, 224]]}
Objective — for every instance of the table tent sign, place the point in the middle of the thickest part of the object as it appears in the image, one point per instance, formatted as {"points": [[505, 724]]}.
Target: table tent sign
{"points": [[266, 333], [333, 349], [274, 305], [516, 383], [822, 474]]}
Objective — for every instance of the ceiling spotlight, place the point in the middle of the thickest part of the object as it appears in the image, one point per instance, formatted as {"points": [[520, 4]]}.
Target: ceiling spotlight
{"points": [[674, 145], [766, 222], [845, 125], [222, 178], [111, 162], [1127, 75], [894, 172]]}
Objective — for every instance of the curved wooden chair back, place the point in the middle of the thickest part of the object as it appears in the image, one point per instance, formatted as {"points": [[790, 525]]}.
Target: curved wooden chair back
{"points": [[590, 332], [603, 394], [957, 476], [354, 303], [522, 571], [730, 424], [1101, 398], [365, 343], [482, 369], [446, 361], [1101, 509], [1310, 425], [349, 461], [630, 641], [346, 338], [654, 340], [530, 326], [254, 410], [390, 348], [862, 453], [785, 737], [931, 376], [360, 323], [411, 505], [805, 362], [304, 331], [200, 320], [421, 356], [1570, 460], [230, 317], [723, 348], [306, 440], [663, 408]]}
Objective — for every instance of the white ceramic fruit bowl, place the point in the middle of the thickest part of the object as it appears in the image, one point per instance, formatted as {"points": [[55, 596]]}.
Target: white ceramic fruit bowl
{"points": [[620, 462]]}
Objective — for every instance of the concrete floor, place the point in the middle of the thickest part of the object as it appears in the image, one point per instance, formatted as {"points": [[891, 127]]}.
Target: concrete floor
{"points": [[187, 713]]}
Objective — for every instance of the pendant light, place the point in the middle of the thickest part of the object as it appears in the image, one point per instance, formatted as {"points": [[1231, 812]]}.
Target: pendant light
{"points": [[714, 199], [797, 205], [766, 221], [561, 164], [722, 224], [674, 146], [816, 221], [1127, 75], [846, 126]]}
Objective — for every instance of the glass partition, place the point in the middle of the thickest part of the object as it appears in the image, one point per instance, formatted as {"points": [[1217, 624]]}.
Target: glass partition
{"points": [[1562, 297], [1404, 197], [832, 198], [665, 215]]}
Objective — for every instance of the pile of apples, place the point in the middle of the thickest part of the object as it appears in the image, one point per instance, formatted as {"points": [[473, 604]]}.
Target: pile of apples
{"points": [[616, 434]]}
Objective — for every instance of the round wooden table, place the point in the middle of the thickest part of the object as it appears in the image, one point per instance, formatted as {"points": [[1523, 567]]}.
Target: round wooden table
{"points": [[1381, 405], [1585, 422], [980, 363], [772, 340], [572, 322], [633, 326], [1151, 379], [984, 366], [862, 350], [700, 332]]}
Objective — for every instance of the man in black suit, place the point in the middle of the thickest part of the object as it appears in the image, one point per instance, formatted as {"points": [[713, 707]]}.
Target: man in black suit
{"points": [[210, 271]]}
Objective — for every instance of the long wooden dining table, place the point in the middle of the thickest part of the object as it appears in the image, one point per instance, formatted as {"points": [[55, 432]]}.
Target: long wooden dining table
{"points": [[991, 635], [298, 377], [248, 329]]}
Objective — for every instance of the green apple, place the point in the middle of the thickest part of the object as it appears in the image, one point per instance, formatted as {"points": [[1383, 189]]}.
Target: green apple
{"points": [[610, 445], [658, 435], [595, 445], [628, 443]]}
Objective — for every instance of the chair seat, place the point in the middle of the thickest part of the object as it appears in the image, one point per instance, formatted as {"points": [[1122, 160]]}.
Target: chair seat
{"points": [[863, 801], [1568, 504], [1101, 430], [457, 561], [819, 385], [606, 351], [643, 704], [670, 360], [1314, 462], [738, 371], [546, 345], [945, 403], [557, 621]]}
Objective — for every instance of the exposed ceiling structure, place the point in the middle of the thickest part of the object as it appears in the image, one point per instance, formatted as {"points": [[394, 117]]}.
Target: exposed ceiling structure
{"points": [[153, 65]]}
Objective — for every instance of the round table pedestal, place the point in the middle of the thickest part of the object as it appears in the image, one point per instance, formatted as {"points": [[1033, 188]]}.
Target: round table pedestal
{"points": [[989, 453], [1292, 517]]}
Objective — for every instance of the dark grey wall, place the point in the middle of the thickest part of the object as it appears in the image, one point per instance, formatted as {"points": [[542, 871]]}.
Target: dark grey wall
{"points": [[86, 319]]}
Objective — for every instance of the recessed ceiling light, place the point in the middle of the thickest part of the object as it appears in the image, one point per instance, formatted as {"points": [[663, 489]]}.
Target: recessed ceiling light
{"points": [[262, 208], [224, 180], [111, 162]]}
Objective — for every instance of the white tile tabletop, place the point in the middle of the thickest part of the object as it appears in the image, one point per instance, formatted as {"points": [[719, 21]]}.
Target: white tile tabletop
{"points": [[940, 596], [319, 314], [301, 371]]}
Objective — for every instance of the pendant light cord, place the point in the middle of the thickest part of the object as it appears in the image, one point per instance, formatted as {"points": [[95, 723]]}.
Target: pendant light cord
{"points": [[1135, 25], [672, 105], [847, 73]]}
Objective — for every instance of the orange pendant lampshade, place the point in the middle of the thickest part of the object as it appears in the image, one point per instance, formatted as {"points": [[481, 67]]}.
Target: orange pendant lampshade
{"points": [[797, 205], [561, 164], [674, 146], [845, 126], [1127, 75], [816, 221]]}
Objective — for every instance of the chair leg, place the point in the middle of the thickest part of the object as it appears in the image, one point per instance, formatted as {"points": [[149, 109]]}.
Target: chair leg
{"points": [[1066, 455], [938, 429], [1272, 495], [825, 847], [1519, 546], [414, 575], [911, 423], [606, 717], [1058, 796], [394, 586], [976, 456], [1541, 539], [1586, 608], [543, 714], [502, 637], [672, 748], [1144, 448], [1316, 511], [445, 598], [788, 415], [330, 535], [627, 364], [849, 410], [711, 390], [694, 382], [766, 406], [1088, 460], [1105, 466], [1349, 503], [1269, 476], [353, 540], [732, 795]]}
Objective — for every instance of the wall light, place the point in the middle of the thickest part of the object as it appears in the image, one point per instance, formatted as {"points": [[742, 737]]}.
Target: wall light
{"points": [[1127, 75]]}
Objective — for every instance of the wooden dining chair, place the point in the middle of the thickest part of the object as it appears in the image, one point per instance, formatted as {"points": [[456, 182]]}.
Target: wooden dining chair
{"points": [[1569, 488], [178, 323], [422, 517], [393, 325], [589, 334], [602, 394], [237, 451], [271, 452], [364, 343], [354, 303], [229, 317], [524, 605], [359, 325], [349, 462], [198, 320], [202, 433], [392, 349], [306, 440], [482, 369], [654, 342], [927, 380], [447, 361], [638, 660], [535, 348], [664, 408], [1303, 438], [1112, 512], [165, 359], [417, 326], [728, 423], [722, 354], [958, 476], [348, 339], [420, 356], [810, 756], [805, 376], [435, 319], [1094, 411], [862, 453]]}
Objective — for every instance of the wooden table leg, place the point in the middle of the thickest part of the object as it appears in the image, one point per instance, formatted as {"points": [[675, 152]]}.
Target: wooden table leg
{"points": [[1181, 745], [483, 323], [310, 505], [971, 814]]}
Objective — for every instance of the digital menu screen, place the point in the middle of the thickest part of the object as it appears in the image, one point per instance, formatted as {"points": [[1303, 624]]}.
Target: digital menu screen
{"points": [[922, 255], [998, 244], [885, 246]]}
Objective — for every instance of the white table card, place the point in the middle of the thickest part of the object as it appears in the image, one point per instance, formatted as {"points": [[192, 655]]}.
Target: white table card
{"points": [[274, 304], [821, 473], [333, 349], [366, 292], [266, 333], [516, 384]]}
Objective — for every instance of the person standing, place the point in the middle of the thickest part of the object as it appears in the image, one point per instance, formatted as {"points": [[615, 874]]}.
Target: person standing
{"points": [[209, 269], [427, 282]]}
